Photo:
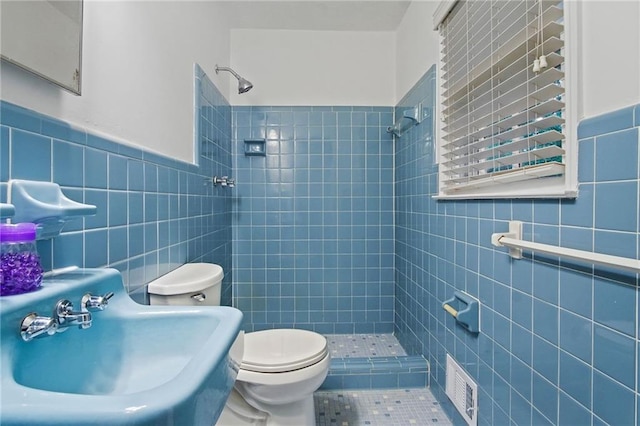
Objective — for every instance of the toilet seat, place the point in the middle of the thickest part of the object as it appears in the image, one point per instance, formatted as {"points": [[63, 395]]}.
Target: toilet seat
{"points": [[282, 350]]}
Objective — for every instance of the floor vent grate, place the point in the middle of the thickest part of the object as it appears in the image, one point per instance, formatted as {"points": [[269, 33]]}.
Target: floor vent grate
{"points": [[462, 391]]}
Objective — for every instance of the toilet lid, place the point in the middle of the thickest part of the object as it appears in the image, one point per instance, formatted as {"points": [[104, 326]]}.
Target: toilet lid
{"points": [[281, 350]]}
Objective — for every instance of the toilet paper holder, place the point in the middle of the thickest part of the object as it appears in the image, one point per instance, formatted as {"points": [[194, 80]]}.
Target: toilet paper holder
{"points": [[465, 309]]}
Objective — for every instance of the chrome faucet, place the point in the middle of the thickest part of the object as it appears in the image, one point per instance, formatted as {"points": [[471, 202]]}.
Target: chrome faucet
{"points": [[33, 326], [95, 303], [63, 317], [223, 181], [66, 317]]}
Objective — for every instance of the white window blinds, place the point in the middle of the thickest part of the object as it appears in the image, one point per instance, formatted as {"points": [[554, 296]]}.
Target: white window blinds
{"points": [[503, 122]]}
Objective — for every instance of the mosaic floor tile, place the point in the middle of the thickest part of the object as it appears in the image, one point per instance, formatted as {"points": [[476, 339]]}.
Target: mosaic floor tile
{"points": [[379, 408], [364, 345]]}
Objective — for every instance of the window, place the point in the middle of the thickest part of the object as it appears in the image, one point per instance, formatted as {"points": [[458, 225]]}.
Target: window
{"points": [[507, 130]]}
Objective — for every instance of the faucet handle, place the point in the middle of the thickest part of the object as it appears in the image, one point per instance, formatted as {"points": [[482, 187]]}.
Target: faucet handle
{"points": [[95, 303], [33, 326]]}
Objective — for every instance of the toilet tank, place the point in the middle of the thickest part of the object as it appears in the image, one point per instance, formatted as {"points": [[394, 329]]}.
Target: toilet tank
{"points": [[191, 284]]}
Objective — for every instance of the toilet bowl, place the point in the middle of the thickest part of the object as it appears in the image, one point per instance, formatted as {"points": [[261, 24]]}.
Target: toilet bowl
{"points": [[280, 368]]}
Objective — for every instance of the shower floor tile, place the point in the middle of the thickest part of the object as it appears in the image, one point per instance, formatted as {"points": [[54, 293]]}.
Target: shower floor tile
{"points": [[378, 407], [364, 345]]}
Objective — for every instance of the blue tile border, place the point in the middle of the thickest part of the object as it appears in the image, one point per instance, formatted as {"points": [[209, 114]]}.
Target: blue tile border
{"points": [[607, 123], [377, 373], [17, 117], [21, 118]]}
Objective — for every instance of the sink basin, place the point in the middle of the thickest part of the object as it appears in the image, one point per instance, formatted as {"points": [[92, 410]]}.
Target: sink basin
{"points": [[135, 365]]}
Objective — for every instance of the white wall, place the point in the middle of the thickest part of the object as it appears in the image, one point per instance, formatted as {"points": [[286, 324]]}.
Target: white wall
{"points": [[610, 65], [138, 66], [137, 76], [416, 45], [291, 67], [608, 43]]}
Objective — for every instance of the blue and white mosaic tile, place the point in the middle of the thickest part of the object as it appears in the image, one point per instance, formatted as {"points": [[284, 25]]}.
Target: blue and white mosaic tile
{"points": [[382, 407], [364, 345]]}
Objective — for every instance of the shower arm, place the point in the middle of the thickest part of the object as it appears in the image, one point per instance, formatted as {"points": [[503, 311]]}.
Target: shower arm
{"points": [[235, 74], [244, 85]]}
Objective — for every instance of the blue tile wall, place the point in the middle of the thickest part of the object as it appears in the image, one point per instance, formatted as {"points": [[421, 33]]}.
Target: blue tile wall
{"points": [[558, 342], [313, 229], [154, 213]]}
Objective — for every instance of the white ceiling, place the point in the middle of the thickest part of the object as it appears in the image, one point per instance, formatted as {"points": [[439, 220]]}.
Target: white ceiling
{"points": [[328, 15]]}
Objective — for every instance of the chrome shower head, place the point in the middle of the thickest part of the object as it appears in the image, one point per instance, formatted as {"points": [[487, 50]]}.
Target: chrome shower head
{"points": [[243, 85]]}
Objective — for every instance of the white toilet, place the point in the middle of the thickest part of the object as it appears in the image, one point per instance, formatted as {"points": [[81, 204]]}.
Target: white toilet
{"points": [[281, 368]]}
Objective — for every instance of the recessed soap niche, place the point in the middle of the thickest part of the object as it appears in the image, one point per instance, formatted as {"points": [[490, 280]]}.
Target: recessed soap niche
{"points": [[255, 147]]}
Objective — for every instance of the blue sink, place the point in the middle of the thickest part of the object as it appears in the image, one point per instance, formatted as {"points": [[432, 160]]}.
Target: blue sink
{"points": [[135, 365]]}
